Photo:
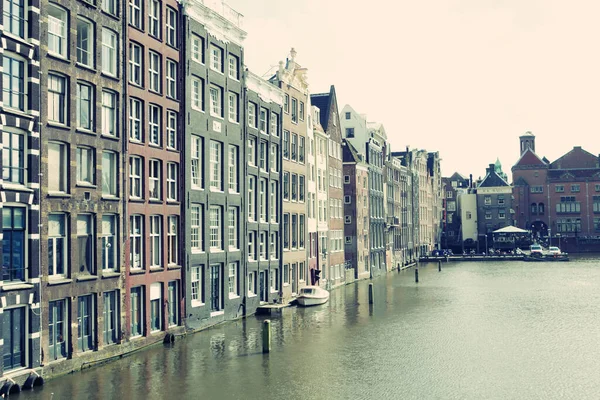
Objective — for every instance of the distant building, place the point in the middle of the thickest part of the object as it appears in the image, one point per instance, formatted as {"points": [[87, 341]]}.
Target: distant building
{"points": [[494, 204], [394, 205], [453, 187]]}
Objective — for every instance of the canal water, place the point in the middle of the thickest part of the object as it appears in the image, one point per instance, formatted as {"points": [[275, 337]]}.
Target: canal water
{"points": [[494, 330]]}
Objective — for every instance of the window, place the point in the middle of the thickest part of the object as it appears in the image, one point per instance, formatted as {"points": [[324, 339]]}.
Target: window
{"points": [[15, 336], [198, 49], [172, 130], [294, 110], [57, 329], [215, 101], [487, 200], [85, 110], [233, 228], [294, 152], [252, 246], [233, 279], [173, 303], [57, 245], [274, 124], [216, 286], [348, 239], [294, 230], [57, 158], [109, 243], [198, 93], [171, 27], [301, 111], [154, 18], [135, 120], [135, 63], [111, 316], [137, 311], [251, 198], [251, 283], [14, 17], [301, 149], [262, 155], [197, 164], [109, 173], [171, 79], [348, 115], [273, 196], [252, 151], [274, 158], [13, 156], [536, 189], [286, 144], [347, 219], [85, 322], [156, 307], [346, 179], [216, 151], [286, 103], [233, 67], [155, 241], [286, 274], [172, 240], [154, 125], [109, 114], [197, 281], [488, 215], [263, 120], [262, 246], [13, 243], [575, 188], [110, 6], [86, 244], [57, 104], [85, 42], [233, 169], [252, 114], [294, 185], [216, 58], [135, 177], [301, 189], [347, 200], [273, 249], [597, 188], [197, 228], [286, 185], [136, 239], [596, 204], [154, 64], [135, 13], [172, 188], [57, 31], [559, 188], [233, 107], [263, 199], [85, 166], [215, 228], [13, 78], [154, 180], [301, 230], [501, 214], [500, 199]]}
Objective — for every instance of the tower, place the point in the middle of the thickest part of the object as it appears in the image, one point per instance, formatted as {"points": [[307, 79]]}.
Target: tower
{"points": [[527, 141]]}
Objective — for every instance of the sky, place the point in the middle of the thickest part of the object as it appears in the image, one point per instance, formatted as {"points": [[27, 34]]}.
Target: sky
{"points": [[462, 77]]}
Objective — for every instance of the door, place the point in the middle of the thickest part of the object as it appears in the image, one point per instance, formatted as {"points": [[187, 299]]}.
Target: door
{"points": [[262, 286], [14, 338], [173, 302], [215, 286], [294, 278]]}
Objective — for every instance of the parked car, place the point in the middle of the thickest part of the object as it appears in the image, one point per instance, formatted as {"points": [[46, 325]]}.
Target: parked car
{"points": [[442, 253], [554, 251], [536, 250]]}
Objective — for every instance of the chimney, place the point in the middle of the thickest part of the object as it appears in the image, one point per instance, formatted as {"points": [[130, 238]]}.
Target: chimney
{"points": [[470, 181], [490, 169]]}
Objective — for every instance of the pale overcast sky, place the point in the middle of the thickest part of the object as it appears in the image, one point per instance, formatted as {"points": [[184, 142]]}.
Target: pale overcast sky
{"points": [[463, 77]]}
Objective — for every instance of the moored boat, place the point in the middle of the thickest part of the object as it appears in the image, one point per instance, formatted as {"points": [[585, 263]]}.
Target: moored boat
{"points": [[312, 296], [547, 258]]}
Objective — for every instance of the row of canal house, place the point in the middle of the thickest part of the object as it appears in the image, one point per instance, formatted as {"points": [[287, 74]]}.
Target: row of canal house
{"points": [[151, 184]]}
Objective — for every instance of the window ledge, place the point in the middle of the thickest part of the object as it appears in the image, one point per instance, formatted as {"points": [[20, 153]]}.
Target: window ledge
{"points": [[85, 131], [250, 294], [173, 266], [108, 75], [137, 271], [23, 41], [86, 278], [59, 281], [156, 269], [59, 194], [85, 185], [110, 137], [16, 111], [233, 296], [110, 274], [110, 198], [173, 202], [196, 304], [217, 313], [16, 187], [17, 286], [87, 67]]}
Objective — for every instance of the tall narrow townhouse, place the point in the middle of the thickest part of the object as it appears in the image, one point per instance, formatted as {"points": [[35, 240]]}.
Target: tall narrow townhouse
{"points": [[214, 148], [311, 195], [20, 192], [394, 211], [291, 78], [81, 185], [374, 152], [356, 211], [330, 121], [320, 198], [262, 166], [153, 46]]}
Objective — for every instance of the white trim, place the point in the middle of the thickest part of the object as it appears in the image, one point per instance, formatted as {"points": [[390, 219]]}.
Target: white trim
{"points": [[265, 90], [220, 20], [34, 335]]}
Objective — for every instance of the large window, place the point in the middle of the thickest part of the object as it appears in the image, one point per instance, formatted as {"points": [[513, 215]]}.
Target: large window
{"points": [[294, 230], [263, 199], [233, 169], [273, 195], [197, 165], [215, 227], [57, 102], [216, 156], [58, 28], [197, 281], [274, 158], [286, 231], [233, 67], [294, 151], [57, 245], [136, 241], [198, 93], [262, 246], [233, 107], [171, 79], [135, 177], [135, 13], [135, 120], [14, 335], [85, 42], [137, 311], [216, 99], [14, 20], [251, 151], [252, 246], [197, 228], [233, 228], [111, 317], [274, 124], [251, 198], [172, 188], [154, 180], [155, 241], [301, 149], [109, 114], [252, 114], [172, 240], [273, 249], [110, 243], [13, 78], [57, 329], [197, 48], [86, 162], [216, 58], [154, 78], [13, 243], [109, 173], [172, 130], [294, 110], [233, 281], [154, 125], [171, 27], [85, 110], [135, 63], [86, 244], [13, 156], [154, 27], [110, 6], [286, 144], [173, 303], [301, 230], [262, 155], [263, 120], [85, 322], [216, 287]]}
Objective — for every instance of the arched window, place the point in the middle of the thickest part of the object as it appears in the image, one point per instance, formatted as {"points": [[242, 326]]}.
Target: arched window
{"points": [[533, 208], [541, 208]]}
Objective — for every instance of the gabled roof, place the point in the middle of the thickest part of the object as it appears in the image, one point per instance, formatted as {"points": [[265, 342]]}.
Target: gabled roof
{"points": [[349, 152], [576, 158], [492, 179], [323, 101], [521, 182], [529, 158]]}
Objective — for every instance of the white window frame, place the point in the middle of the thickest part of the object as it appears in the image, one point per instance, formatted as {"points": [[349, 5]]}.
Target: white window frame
{"points": [[233, 169], [154, 124], [171, 24], [172, 188], [262, 123], [57, 99], [110, 242], [251, 246], [251, 198], [136, 115], [154, 179], [172, 130], [252, 114], [155, 242], [85, 46], [58, 31], [216, 228], [86, 166], [110, 6], [109, 178], [197, 286], [110, 113], [85, 105], [233, 107], [58, 220], [62, 164], [173, 240], [216, 158], [216, 58], [216, 101], [233, 231], [273, 195], [136, 55], [232, 280], [262, 246], [197, 228], [197, 160], [136, 242], [136, 173], [154, 9], [233, 67], [154, 77], [263, 188], [197, 48], [171, 77], [197, 94]]}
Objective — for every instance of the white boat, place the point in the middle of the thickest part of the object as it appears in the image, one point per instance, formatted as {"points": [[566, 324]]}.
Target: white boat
{"points": [[312, 296]]}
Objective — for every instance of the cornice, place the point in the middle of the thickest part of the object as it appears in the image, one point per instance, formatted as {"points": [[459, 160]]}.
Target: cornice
{"points": [[220, 20], [265, 90]]}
